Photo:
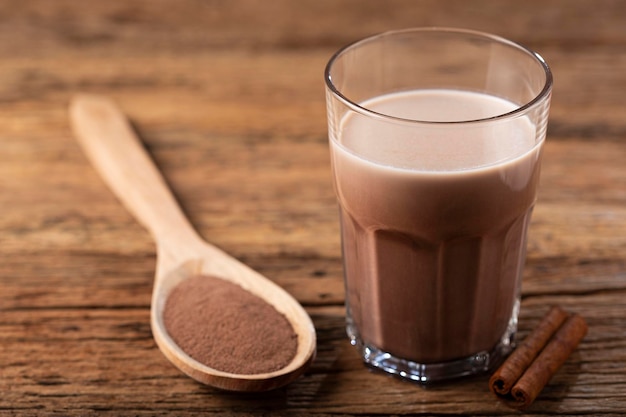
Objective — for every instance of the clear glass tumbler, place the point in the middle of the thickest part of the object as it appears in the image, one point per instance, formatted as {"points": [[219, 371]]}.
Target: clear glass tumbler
{"points": [[436, 138]]}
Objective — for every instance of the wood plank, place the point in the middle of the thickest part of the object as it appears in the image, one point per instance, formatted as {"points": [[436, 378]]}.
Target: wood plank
{"points": [[144, 26], [94, 341]]}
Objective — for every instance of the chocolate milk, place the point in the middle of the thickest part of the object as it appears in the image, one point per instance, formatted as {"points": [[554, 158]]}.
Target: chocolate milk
{"points": [[434, 222]]}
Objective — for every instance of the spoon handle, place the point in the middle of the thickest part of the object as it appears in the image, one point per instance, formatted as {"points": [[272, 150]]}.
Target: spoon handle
{"points": [[116, 152]]}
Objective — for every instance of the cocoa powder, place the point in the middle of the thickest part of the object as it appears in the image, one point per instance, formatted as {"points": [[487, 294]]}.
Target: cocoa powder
{"points": [[225, 327]]}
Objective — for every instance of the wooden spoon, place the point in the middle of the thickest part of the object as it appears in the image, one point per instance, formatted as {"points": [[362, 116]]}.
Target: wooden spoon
{"points": [[113, 148]]}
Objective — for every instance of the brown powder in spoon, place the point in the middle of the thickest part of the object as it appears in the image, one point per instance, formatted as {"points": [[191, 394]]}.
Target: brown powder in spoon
{"points": [[227, 328]]}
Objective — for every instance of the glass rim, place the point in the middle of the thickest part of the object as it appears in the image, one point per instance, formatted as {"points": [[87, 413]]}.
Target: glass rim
{"points": [[519, 110]]}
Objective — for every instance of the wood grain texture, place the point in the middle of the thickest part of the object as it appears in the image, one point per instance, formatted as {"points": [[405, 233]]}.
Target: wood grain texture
{"points": [[228, 98]]}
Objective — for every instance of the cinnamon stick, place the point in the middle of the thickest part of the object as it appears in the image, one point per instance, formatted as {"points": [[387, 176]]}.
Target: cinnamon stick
{"points": [[523, 375], [512, 369], [549, 361]]}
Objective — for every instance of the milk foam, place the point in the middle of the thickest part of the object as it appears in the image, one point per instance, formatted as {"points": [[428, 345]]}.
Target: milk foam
{"points": [[406, 143]]}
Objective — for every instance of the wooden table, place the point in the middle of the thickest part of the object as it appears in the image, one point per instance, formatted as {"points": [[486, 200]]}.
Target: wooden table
{"points": [[229, 99]]}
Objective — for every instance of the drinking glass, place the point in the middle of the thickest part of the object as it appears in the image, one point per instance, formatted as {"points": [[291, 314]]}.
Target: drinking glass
{"points": [[436, 138]]}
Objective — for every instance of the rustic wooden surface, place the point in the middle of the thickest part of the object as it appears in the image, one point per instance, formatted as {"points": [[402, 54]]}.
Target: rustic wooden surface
{"points": [[228, 97]]}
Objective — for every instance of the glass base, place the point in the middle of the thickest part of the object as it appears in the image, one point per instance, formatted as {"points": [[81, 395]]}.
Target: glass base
{"points": [[426, 373]]}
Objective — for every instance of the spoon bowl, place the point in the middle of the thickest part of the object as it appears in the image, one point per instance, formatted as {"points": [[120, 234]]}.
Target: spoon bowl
{"points": [[117, 154]]}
